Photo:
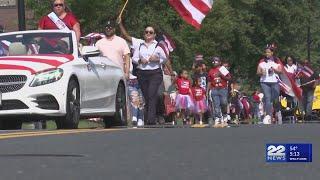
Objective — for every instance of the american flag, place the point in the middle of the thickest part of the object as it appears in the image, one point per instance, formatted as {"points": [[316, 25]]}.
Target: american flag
{"points": [[192, 11]]}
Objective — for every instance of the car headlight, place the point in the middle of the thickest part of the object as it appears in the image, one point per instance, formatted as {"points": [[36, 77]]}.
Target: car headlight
{"points": [[46, 77]]}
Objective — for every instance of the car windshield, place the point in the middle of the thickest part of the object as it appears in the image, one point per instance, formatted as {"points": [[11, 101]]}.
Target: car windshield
{"points": [[36, 43]]}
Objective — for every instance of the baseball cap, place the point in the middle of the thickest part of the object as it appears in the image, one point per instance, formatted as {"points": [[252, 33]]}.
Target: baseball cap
{"points": [[110, 23]]}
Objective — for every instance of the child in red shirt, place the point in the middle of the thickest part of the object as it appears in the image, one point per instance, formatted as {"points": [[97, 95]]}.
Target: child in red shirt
{"points": [[199, 97], [184, 101]]}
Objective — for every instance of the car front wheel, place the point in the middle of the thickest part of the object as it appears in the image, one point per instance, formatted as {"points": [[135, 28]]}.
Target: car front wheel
{"points": [[71, 120]]}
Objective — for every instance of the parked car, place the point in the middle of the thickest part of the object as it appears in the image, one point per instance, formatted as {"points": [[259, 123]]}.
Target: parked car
{"points": [[43, 75]]}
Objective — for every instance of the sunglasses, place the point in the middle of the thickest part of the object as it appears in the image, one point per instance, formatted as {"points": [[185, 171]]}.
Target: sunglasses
{"points": [[148, 32], [56, 5], [109, 27]]}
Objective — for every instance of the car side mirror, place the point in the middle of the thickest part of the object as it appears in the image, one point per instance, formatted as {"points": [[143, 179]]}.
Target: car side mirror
{"points": [[89, 51]]}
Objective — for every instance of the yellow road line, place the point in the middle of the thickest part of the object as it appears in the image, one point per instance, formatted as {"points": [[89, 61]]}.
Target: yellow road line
{"points": [[53, 132]]}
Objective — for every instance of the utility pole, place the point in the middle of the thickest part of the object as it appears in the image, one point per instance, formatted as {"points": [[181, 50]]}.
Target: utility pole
{"points": [[309, 40], [21, 15]]}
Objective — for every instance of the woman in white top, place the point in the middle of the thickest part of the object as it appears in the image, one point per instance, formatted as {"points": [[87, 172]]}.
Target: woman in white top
{"points": [[149, 58], [268, 70]]}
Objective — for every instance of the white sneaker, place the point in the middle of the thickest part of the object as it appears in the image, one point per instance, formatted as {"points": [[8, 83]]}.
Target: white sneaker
{"points": [[217, 122], [267, 119], [140, 122]]}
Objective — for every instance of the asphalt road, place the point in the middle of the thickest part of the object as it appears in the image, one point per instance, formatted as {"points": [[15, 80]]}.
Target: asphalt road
{"points": [[159, 154]]}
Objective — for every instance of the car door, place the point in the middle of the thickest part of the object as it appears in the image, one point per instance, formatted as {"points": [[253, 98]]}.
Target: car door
{"points": [[111, 74], [93, 95]]}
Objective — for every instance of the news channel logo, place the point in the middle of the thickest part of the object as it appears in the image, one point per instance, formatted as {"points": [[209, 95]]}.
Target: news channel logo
{"points": [[288, 152]]}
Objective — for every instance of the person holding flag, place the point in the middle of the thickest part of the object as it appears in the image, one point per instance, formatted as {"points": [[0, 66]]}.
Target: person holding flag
{"points": [[60, 18], [309, 80], [218, 84], [149, 57], [268, 70]]}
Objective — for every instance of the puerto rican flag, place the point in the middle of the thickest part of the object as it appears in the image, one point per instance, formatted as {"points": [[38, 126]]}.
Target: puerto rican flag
{"points": [[93, 37], [166, 43], [5, 44], [305, 71], [170, 43], [33, 64], [288, 84], [192, 11]]}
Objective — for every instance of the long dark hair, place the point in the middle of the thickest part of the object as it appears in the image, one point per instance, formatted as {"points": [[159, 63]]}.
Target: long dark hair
{"points": [[287, 57]]}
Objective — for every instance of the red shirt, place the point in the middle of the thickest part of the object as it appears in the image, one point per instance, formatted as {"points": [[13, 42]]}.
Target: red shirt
{"points": [[256, 98], [183, 86], [46, 23], [219, 81], [198, 93]]}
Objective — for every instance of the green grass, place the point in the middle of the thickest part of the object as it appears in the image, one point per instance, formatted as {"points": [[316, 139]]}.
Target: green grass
{"points": [[51, 125]]}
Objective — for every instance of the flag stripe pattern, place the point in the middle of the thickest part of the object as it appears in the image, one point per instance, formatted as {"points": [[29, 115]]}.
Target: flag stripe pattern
{"points": [[166, 43], [33, 64], [93, 35], [192, 11], [288, 84], [164, 47], [171, 45]]}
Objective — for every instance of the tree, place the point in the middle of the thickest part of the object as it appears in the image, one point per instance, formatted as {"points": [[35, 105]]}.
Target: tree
{"points": [[237, 31]]}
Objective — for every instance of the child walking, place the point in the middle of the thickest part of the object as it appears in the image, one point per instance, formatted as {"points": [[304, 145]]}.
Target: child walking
{"points": [[184, 103], [199, 96]]}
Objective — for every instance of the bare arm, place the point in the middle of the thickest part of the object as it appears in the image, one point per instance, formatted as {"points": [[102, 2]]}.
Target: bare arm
{"points": [[278, 69], [124, 32], [126, 65], [260, 71], [76, 29]]}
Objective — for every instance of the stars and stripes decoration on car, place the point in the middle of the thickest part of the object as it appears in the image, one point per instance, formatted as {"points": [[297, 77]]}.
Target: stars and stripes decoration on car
{"points": [[34, 64]]}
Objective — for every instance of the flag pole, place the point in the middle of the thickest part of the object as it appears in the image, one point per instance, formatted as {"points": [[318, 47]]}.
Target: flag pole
{"points": [[124, 6]]}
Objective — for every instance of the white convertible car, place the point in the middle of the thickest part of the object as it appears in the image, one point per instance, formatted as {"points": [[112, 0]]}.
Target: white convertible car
{"points": [[43, 75]]}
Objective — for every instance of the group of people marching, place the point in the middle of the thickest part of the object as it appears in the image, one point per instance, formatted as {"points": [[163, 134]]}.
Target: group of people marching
{"points": [[289, 79], [211, 95]]}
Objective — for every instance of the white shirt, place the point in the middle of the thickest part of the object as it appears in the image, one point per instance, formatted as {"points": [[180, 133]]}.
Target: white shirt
{"points": [[269, 77], [291, 69], [142, 50]]}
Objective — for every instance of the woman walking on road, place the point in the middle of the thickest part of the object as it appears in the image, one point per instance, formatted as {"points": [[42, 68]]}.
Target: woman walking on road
{"points": [[268, 70], [149, 58]]}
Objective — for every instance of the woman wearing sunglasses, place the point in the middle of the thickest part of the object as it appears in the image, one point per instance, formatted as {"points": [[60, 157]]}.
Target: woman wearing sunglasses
{"points": [[149, 59], [62, 12]]}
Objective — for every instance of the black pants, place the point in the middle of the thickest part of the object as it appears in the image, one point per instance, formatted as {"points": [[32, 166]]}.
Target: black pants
{"points": [[150, 81]]}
